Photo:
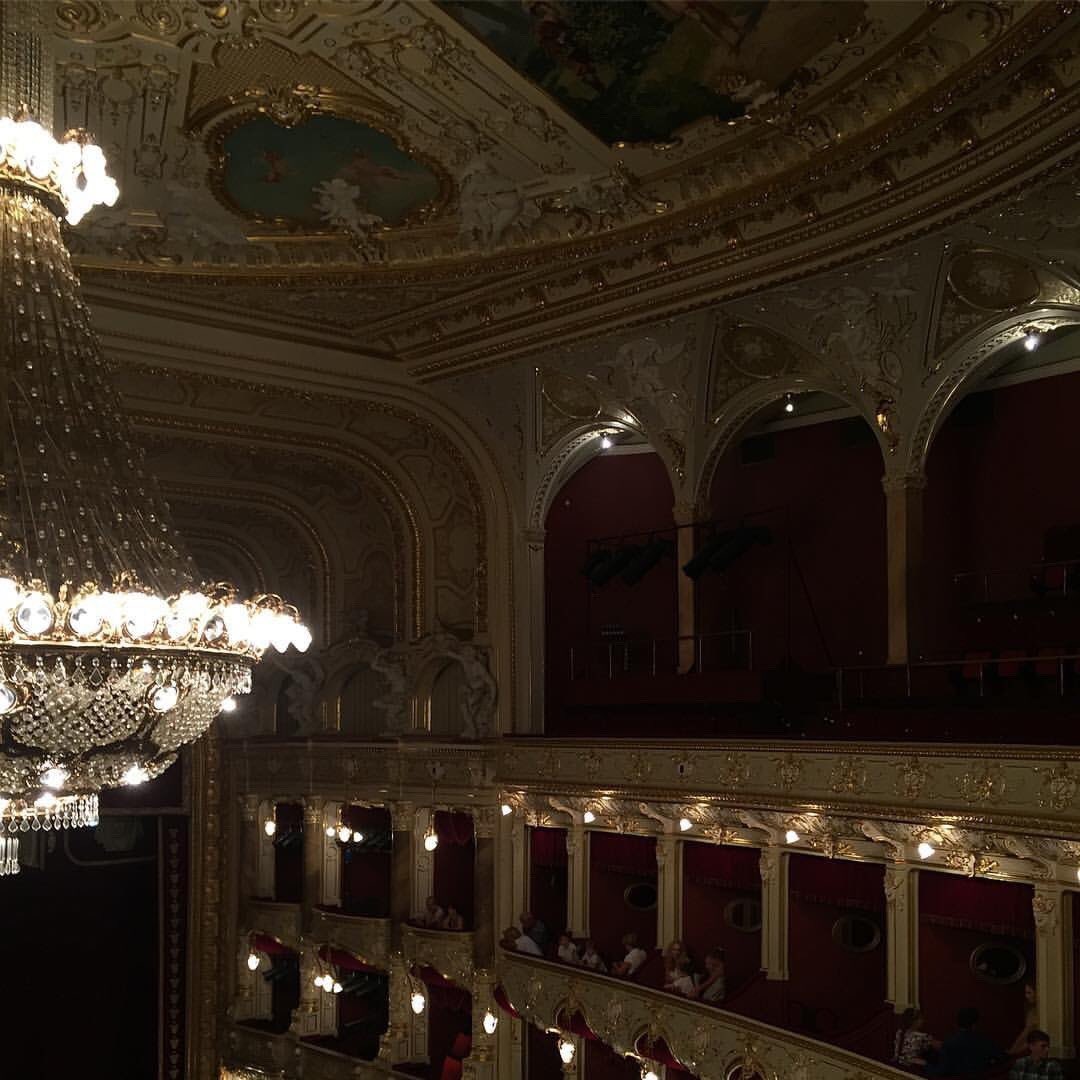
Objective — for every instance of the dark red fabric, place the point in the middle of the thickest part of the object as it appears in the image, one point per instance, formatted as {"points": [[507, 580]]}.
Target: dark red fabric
{"points": [[449, 1017], [713, 877], [271, 946], [630, 856], [365, 867], [615, 863], [722, 866], [548, 878], [575, 1023], [452, 877], [837, 881], [430, 977], [548, 847], [504, 1002], [995, 907], [658, 1050], [542, 1050], [344, 960], [289, 853]]}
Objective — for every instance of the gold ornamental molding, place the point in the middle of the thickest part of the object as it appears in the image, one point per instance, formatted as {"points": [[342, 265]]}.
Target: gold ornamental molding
{"points": [[713, 1044], [449, 952], [1012, 788], [282, 922], [367, 939]]}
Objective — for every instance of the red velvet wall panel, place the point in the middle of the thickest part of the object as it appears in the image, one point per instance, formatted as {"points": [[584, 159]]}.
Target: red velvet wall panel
{"points": [[995, 485], [713, 877], [615, 863], [842, 989], [956, 915], [289, 853], [452, 871], [609, 496], [547, 878], [365, 869], [826, 496], [449, 1015], [542, 1060]]}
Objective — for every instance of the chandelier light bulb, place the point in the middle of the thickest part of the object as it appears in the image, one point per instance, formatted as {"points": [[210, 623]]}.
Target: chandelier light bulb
{"points": [[925, 850], [55, 777], [331, 832], [45, 801], [228, 705], [791, 836], [269, 826], [431, 841], [566, 1051], [134, 776], [86, 617], [34, 616], [685, 824], [789, 404], [648, 1074], [357, 837], [319, 981], [344, 834], [253, 961], [506, 809], [1032, 340], [605, 442], [490, 1022], [417, 1002], [164, 698], [588, 817]]}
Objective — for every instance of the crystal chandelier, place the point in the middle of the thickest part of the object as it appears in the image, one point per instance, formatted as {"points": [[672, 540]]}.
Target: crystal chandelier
{"points": [[112, 656]]}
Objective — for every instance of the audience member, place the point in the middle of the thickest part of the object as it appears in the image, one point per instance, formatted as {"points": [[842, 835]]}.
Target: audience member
{"points": [[711, 988], [532, 926], [433, 914], [966, 1052], [567, 951], [513, 938], [673, 956], [591, 959], [912, 1044], [634, 958], [1031, 1021], [682, 981], [453, 920], [1038, 1065]]}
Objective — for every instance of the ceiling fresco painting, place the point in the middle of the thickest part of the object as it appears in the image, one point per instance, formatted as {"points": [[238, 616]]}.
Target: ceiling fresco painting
{"points": [[640, 70], [301, 174]]}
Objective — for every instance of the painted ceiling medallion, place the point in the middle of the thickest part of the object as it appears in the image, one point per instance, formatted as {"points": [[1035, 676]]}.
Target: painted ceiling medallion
{"points": [[637, 71], [993, 281], [327, 171]]}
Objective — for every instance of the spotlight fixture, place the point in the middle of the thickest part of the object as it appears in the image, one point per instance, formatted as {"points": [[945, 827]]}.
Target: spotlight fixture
{"points": [[506, 809], [789, 404], [490, 1022], [566, 1050], [417, 1002], [588, 817], [605, 441], [791, 836], [685, 824], [925, 850], [1032, 340]]}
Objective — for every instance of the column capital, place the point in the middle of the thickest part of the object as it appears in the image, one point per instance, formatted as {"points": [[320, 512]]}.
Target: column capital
{"points": [[313, 808], [402, 816], [666, 844], [249, 807], [1046, 907], [485, 820]]}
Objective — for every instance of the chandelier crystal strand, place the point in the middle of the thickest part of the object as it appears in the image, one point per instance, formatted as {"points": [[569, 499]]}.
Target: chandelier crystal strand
{"points": [[111, 656]]}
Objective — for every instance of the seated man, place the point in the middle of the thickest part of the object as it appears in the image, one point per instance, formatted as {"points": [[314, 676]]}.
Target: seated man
{"points": [[1038, 1065], [966, 1052], [711, 988], [634, 958], [433, 914], [532, 926], [519, 941]]}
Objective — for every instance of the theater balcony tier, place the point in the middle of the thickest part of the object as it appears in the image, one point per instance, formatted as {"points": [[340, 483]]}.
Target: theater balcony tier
{"points": [[449, 952], [709, 1042]]}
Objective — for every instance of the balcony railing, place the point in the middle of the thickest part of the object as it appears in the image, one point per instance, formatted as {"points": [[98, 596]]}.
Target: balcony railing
{"points": [[449, 952], [1045, 579], [617, 658], [369, 939], [709, 1041], [281, 921]]}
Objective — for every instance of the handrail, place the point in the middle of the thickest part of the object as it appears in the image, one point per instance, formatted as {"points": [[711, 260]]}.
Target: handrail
{"points": [[1027, 573], [618, 652], [709, 1040]]}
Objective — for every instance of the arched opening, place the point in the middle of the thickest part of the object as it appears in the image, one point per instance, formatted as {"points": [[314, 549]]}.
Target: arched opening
{"points": [[609, 583], [357, 712], [790, 572]]}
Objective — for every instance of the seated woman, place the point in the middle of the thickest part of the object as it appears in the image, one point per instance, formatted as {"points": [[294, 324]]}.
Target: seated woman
{"points": [[912, 1045], [567, 951], [453, 919], [591, 959], [682, 982], [711, 988]]}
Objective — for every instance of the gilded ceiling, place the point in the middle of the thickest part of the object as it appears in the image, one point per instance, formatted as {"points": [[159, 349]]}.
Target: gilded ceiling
{"points": [[449, 181]]}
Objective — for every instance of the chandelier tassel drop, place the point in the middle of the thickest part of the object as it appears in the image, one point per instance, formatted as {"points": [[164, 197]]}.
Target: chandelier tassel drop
{"points": [[112, 655]]}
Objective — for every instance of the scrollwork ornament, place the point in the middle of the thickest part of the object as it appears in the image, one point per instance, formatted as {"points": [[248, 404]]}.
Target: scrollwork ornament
{"points": [[788, 771], [848, 776], [983, 784], [912, 778], [1059, 787]]}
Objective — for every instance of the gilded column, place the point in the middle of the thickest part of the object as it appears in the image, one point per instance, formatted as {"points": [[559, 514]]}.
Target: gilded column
{"points": [[394, 1044], [904, 539], [519, 886], [902, 935], [313, 856], [305, 1017], [1053, 950], [484, 823], [669, 852], [403, 821], [577, 880], [483, 1060], [773, 865]]}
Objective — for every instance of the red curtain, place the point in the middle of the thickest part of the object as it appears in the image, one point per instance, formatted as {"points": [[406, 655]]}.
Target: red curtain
{"points": [[271, 946], [631, 856], [289, 853], [658, 1051], [837, 881], [995, 907], [718, 865], [504, 1002], [365, 867], [344, 960], [602, 1063], [452, 877], [615, 863], [449, 1019], [575, 1023], [547, 878]]}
